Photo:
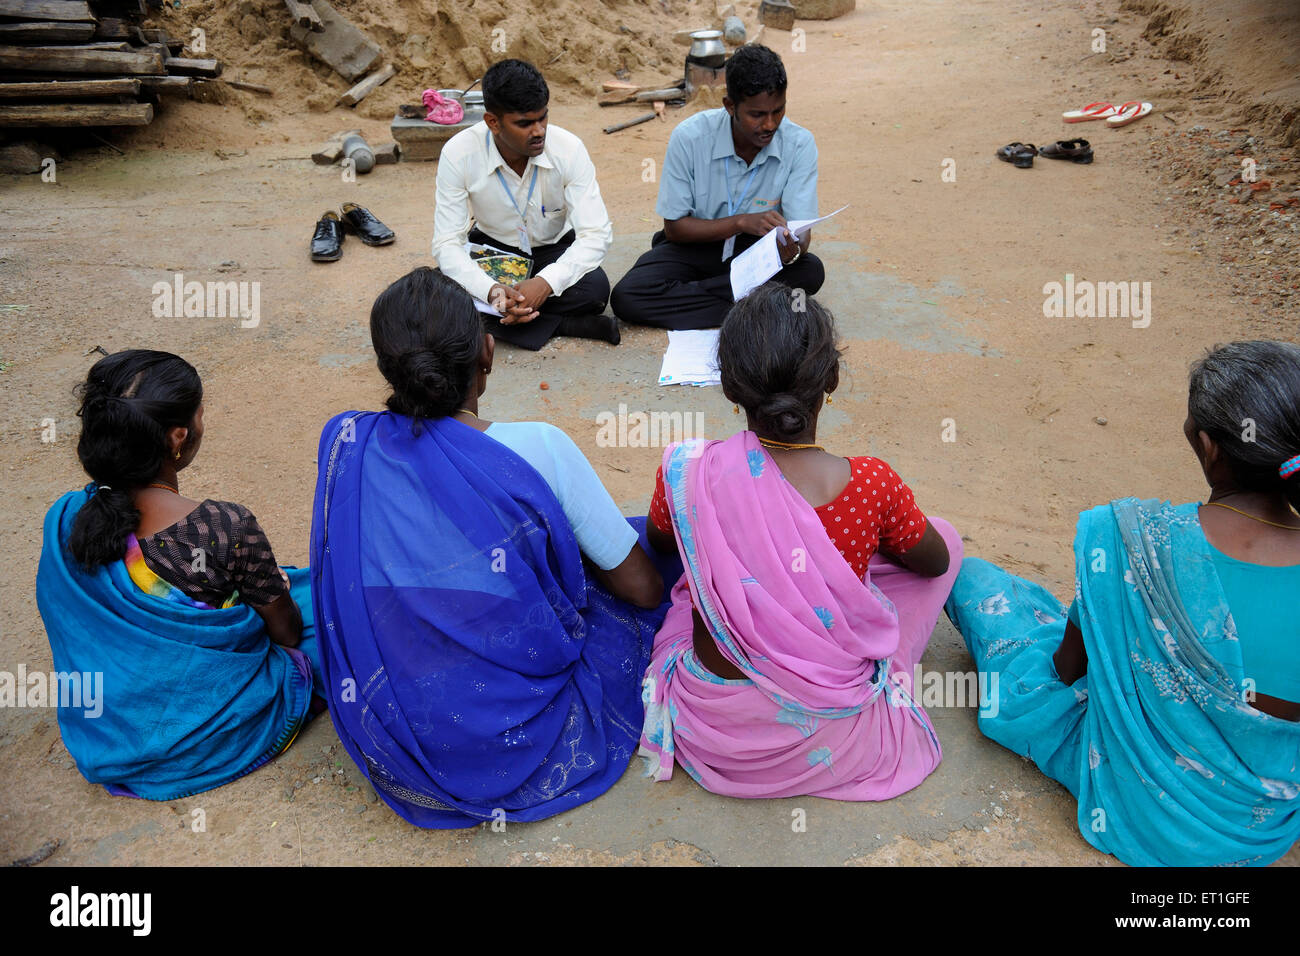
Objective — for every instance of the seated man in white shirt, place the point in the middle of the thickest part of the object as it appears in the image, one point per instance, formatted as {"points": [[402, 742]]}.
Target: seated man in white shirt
{"points": [[531, 190]]}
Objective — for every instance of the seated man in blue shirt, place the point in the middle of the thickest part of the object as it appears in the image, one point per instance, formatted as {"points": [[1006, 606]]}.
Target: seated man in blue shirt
{"points": [[730, 175]]}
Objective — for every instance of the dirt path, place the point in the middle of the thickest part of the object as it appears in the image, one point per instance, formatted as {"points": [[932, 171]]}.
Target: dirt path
{"points": [[937, 286]]}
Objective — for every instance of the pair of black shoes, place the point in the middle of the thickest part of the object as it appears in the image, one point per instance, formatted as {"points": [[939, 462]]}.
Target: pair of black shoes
{"points": [[1022, 154], [327, 242]]}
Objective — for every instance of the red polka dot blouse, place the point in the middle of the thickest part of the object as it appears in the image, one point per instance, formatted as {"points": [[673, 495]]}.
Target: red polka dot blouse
{"points": [[875, 510]]}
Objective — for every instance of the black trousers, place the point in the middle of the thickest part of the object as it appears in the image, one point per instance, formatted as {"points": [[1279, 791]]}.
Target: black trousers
{"points": [[678, 285], [588, 296]]}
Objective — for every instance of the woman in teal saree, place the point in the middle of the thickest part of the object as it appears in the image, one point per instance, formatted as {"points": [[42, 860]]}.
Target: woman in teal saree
{"points": [[1167, 698]]}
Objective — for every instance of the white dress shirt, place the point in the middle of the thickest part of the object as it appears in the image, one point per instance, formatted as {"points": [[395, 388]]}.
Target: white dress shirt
{"points": [[566, 196]]}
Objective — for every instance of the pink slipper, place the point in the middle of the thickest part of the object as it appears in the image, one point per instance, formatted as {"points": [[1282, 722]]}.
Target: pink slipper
{"points": [[442, 110], [1093, 111], [1128, 113]]}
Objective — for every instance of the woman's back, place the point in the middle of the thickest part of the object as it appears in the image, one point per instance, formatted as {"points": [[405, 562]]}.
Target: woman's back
{"points": [[475, 668], [1259, 568]]}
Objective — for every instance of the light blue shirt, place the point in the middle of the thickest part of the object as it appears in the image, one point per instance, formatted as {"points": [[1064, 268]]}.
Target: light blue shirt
{"points": [[603, 533], [704, 178]]}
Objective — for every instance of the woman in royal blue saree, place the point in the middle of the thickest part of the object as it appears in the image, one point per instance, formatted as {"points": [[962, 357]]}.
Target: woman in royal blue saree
{"points": [[1166, 699], [476, 669]]}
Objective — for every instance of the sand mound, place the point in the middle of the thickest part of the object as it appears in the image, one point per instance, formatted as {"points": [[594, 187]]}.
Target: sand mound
{"points": [[1248, 51], [445, 43]]}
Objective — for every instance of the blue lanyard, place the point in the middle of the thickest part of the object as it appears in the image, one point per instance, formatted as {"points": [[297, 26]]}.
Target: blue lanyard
{"points": [[511, 196], [731, 204]]}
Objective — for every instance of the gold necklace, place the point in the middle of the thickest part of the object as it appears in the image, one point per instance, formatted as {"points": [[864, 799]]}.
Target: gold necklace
{"points": [[468, 412], [159, 484], [1288, 527], [771, 443]]}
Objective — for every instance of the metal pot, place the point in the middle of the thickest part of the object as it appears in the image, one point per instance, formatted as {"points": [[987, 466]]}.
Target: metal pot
{"points": [[471, 103], [707, 49]]}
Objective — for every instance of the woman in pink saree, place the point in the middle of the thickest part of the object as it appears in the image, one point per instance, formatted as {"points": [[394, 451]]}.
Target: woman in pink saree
{"points": [[811, 588]]}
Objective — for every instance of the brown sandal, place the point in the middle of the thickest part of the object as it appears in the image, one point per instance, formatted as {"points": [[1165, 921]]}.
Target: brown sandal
{"points": [[1021, 154], [1075, 150]]}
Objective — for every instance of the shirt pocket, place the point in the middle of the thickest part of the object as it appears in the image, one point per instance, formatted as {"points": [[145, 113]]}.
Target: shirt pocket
{"points": [[552, 208]]}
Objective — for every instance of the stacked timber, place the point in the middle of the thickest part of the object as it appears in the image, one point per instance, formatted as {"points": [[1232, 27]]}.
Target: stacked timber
{"points": [[88, 63]]}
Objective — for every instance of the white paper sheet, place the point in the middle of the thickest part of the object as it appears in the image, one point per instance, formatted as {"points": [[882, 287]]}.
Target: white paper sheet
{"points": [[691, 359], [762, 260]]}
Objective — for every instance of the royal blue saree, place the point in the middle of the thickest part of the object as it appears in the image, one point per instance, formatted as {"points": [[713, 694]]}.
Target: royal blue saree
{"points": [[474, 673], [193, 697], [1170, 764]]}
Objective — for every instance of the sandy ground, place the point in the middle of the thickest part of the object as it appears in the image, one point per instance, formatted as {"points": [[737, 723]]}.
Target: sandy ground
{"points": [[938, 290]]}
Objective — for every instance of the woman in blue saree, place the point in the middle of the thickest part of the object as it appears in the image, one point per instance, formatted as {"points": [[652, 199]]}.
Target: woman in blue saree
{"points": [[1167, 698], [486, 611], [198, 648]]}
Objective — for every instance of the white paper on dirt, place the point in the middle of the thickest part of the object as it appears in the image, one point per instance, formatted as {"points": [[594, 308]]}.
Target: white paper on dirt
{"points": [[691, 359], [762, 260]]}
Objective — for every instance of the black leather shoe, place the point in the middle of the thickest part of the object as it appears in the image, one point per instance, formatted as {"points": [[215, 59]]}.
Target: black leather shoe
{"points": [[601, 327], [327, 243], [359, 221]]}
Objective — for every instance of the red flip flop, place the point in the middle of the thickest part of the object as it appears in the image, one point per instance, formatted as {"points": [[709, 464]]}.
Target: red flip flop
{"points": [[1128, 113], [1093, 111]]}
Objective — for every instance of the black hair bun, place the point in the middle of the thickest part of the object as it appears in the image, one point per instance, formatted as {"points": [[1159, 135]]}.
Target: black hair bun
{"points": [[784, 414], [427, 383]]}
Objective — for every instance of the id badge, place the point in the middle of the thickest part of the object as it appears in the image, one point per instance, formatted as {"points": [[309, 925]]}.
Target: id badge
{"points": [[728, 248], [525, 246]]}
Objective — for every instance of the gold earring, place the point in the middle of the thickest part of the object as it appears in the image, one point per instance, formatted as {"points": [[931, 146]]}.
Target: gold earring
{"points": [[178, 454], [735, 409], [828, 399]]}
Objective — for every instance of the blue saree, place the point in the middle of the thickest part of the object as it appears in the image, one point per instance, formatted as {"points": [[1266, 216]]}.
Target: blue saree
{"points": [[192, 697], [1168, 762], [473, 671]]}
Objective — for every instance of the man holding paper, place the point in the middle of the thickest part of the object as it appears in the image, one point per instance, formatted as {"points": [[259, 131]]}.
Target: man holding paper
{"points": [[531, 191], [730, 177]]}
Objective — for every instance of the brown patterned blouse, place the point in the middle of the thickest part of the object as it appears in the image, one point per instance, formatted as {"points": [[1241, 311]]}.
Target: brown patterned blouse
{"points": [[217, 550]]}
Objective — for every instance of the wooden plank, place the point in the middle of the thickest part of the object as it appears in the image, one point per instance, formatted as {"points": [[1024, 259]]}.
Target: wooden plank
{"points": [[157, 35], [367, 86], [77, 114], [46, 31], [618, 126], [251, 87], [80, 59], [166, 84], [669, 93], [341, 46], [180, 66], [617, 97], [74, 89], [112, 28], [46, 10], [305, 15]]}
